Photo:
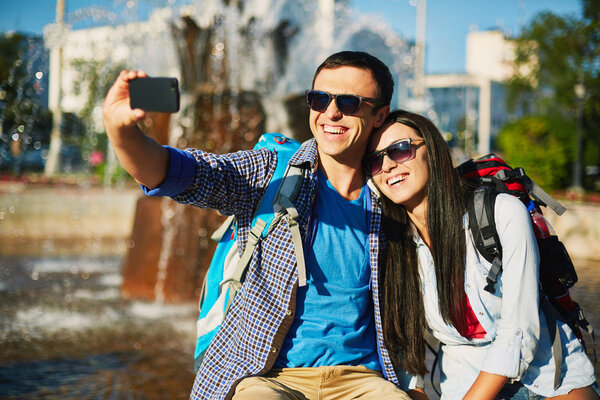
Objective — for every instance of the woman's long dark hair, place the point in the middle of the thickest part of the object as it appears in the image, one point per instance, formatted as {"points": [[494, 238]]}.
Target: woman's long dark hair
{"points": [[402, 300]]}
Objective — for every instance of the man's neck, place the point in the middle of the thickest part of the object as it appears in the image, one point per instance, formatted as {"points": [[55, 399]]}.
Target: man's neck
{"points": [[347, 179]]}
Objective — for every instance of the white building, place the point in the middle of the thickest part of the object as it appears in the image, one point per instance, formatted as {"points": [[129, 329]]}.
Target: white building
{"points": [[272, 47], [472, 106], [86, 55]]}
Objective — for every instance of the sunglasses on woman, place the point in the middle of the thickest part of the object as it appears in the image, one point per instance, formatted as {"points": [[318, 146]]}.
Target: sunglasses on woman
{"points": [[399, 152], [348, 104]]}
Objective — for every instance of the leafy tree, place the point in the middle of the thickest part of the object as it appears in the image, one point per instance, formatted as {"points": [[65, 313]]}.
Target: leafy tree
{"points": [[540, 145], [94, 80], [554, 55]]}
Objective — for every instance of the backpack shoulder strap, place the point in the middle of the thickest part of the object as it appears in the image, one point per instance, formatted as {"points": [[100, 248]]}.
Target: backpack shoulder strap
{"points": [[282, 205], [533, 189], [287, 191], [483, 229]]}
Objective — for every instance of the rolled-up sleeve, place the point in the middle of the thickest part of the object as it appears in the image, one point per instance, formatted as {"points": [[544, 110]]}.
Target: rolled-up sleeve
{"points": [[518, 327]]}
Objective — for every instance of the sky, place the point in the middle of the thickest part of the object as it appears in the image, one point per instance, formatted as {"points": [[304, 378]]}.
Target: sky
{"points": [[447, 24]]}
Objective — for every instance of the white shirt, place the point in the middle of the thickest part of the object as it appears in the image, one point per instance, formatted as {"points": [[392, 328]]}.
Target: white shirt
{"points": [[517, 342]]}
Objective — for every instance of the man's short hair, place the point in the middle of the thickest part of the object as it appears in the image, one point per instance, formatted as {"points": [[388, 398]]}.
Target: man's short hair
{"points": [[360, 59]]}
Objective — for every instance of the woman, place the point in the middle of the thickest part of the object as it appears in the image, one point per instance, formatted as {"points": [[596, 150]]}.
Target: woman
{"points": [[493, 346]]}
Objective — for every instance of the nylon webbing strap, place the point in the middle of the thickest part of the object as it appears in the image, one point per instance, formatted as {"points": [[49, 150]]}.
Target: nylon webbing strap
{"points": [[534, 190], [218, 234], [492, 276], [235, 282], [483, 221], [539, 194], [233, 288], [434, 346], [485, 229], [253, 239], [290, 186], [553, 329], [296, 239]]}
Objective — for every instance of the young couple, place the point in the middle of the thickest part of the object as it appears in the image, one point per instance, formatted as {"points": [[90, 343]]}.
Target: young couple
{"points": [[354, 329]]}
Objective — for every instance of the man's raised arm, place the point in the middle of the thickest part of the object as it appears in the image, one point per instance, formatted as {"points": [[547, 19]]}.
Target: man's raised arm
{"points": [[142, 157]]}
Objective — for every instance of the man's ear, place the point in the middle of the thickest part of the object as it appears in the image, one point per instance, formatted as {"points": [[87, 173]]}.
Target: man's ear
{"points": [[382, 113]]}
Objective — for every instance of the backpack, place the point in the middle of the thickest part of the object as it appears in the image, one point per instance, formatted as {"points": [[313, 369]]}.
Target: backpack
{"points": [[556, 271], [225, 273]]}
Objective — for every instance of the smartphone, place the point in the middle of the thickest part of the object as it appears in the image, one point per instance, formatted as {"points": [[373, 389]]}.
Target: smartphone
{"points": [[154, 94]]}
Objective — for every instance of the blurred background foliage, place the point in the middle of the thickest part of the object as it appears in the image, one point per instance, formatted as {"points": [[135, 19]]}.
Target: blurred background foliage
{"points": [[558, 84], [543, 147]]}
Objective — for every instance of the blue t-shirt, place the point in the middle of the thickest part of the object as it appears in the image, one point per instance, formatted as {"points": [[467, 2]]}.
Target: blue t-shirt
{"points": [[333, 324]]}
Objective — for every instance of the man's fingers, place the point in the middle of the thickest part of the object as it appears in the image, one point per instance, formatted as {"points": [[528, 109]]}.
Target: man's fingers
{"points": [[138, 114]]}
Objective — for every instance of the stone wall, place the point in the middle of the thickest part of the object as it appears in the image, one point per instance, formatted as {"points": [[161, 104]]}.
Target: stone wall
{"points": [[579, 229], [65, 220], [74, 220]]}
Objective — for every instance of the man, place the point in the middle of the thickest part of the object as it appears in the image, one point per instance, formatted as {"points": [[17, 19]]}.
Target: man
{"points": [[282, 340]]}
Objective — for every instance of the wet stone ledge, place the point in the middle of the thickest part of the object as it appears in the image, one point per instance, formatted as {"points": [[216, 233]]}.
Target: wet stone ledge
{"points": [[98, 220], [65, 220]]}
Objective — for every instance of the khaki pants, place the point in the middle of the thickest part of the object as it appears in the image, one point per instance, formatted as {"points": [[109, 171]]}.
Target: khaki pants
{"points": [[320, 383]]}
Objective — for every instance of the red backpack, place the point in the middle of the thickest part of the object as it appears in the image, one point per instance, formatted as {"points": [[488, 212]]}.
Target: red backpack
{"points": [[557, 273]]}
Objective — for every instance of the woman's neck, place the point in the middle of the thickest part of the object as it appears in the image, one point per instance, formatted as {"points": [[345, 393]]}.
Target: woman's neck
{"points": [[418, 216]]}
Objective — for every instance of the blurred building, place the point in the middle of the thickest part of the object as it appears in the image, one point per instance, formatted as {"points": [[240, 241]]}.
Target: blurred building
{"points": [[471, 108], [91, 58], [270, 47]]}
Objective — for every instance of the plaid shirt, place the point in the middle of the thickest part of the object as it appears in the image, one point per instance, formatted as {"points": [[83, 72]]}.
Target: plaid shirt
{"points": [[253, 331]]}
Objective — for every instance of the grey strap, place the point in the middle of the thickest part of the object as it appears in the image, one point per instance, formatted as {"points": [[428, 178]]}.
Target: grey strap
{"points": [[290, 186], [553, 329], [253, 238], [235, 282], [492, 276], [296, 239], [218, 234], [539, 193], [534, 190], [282, 204], [233, 288], [488, 236], [483, 222], [431, 340]]}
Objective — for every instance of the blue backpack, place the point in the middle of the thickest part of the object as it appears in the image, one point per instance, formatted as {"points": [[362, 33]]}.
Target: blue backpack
{"points": [[225, 273]]}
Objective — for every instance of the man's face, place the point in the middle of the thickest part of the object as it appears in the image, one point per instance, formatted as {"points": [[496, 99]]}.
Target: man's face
{"points": [[343, 138]]}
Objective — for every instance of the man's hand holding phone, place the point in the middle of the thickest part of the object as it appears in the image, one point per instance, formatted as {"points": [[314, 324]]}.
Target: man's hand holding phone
{"points": [[116, 112], [141, 156]]}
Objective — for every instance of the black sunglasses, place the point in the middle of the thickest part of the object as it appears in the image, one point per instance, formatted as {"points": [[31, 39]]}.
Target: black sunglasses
{"points": [[399, 152], [348, 104]]}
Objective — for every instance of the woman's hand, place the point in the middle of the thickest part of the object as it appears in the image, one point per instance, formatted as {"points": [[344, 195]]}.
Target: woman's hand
{"points": [[486, 387], [417, 394]]}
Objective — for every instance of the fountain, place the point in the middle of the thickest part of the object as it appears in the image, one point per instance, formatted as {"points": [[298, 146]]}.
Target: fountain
{"points": [[101, 316], [243, 68]]}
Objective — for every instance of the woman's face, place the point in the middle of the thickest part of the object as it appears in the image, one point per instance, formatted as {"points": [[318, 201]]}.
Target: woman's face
{"points": [[404, 183]]}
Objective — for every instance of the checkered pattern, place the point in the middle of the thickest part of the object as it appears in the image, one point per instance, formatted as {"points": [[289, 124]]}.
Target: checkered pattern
{"points": [[253, 331]]}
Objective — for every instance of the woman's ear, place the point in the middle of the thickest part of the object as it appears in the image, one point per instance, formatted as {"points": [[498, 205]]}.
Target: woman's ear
{"points": [[382, 113]]}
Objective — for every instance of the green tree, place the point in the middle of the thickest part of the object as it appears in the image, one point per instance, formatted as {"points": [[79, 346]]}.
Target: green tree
{"points": [[540, 145], [94, 80], [554, 55]]}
